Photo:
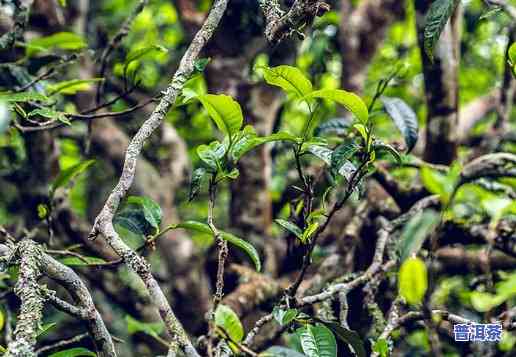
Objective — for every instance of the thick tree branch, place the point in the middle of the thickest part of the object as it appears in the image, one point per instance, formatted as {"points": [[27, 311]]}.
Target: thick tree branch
{"points": [[104, 221]]}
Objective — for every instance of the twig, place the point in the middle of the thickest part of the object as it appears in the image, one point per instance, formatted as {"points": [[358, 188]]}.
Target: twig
{"points": [[104, 221], [62, 343]]}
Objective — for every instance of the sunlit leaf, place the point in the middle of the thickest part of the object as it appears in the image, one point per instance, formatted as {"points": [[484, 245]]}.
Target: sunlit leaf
{"points": [[50, 114], [228, 320], [69, 174], [381, 347], [288, 78], [62, 40], [5, 117], [73, 86], [23, 97], [83, 261], [224, 110], [413, 280]]}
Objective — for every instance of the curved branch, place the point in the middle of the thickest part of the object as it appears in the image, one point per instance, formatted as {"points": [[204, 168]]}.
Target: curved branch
{"points": [[104, 221]]}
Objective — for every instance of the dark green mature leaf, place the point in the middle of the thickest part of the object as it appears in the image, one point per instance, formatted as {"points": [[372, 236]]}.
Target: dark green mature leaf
{"points": [[413, 280], [5, 117], [321, 152], [379, 146], [212, 154], [416, 231], [249, 140], [236, 241], [69, 174], [74, 352], [404, 118], [73, 86], [291, 227], [62, 40], [438, 15], [224, 110], [352, 102], [153, 329], [280, 351], [284, 317], [140, 215], [201, 63], [23, 97], [317, 341], [337, 126], [196, 181], [288, 78], [342, 154], [229, 321], [348, 336]]}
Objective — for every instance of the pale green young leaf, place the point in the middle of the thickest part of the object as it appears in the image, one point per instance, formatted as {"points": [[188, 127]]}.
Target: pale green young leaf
{"points": [[69, 174], [224, 110], [288, 78], [23, 97], [404, 118], [229, 321], [413, 280], [212, 154], [73, 86], [352, 102], [61, 40], [418, 228]]}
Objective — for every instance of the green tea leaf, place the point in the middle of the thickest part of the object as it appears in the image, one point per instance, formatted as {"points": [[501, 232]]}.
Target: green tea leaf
{"points": [[413, 280], [153, 329], [73, 86], [284, 317], [50, 114], [317, 341], [352, 102], [236, 241], [250, 140], [347, 336], [379, 146], [212, 154], [291, 227], [224, 110], [438, 15], [288, 78], [23, 97], [381, 347], [140, 215], [336, 126], [62, 40], [415, 232], [69, 174], [228, 320], [321, 152], [74, 352], [404, 118], [139, 53]]}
